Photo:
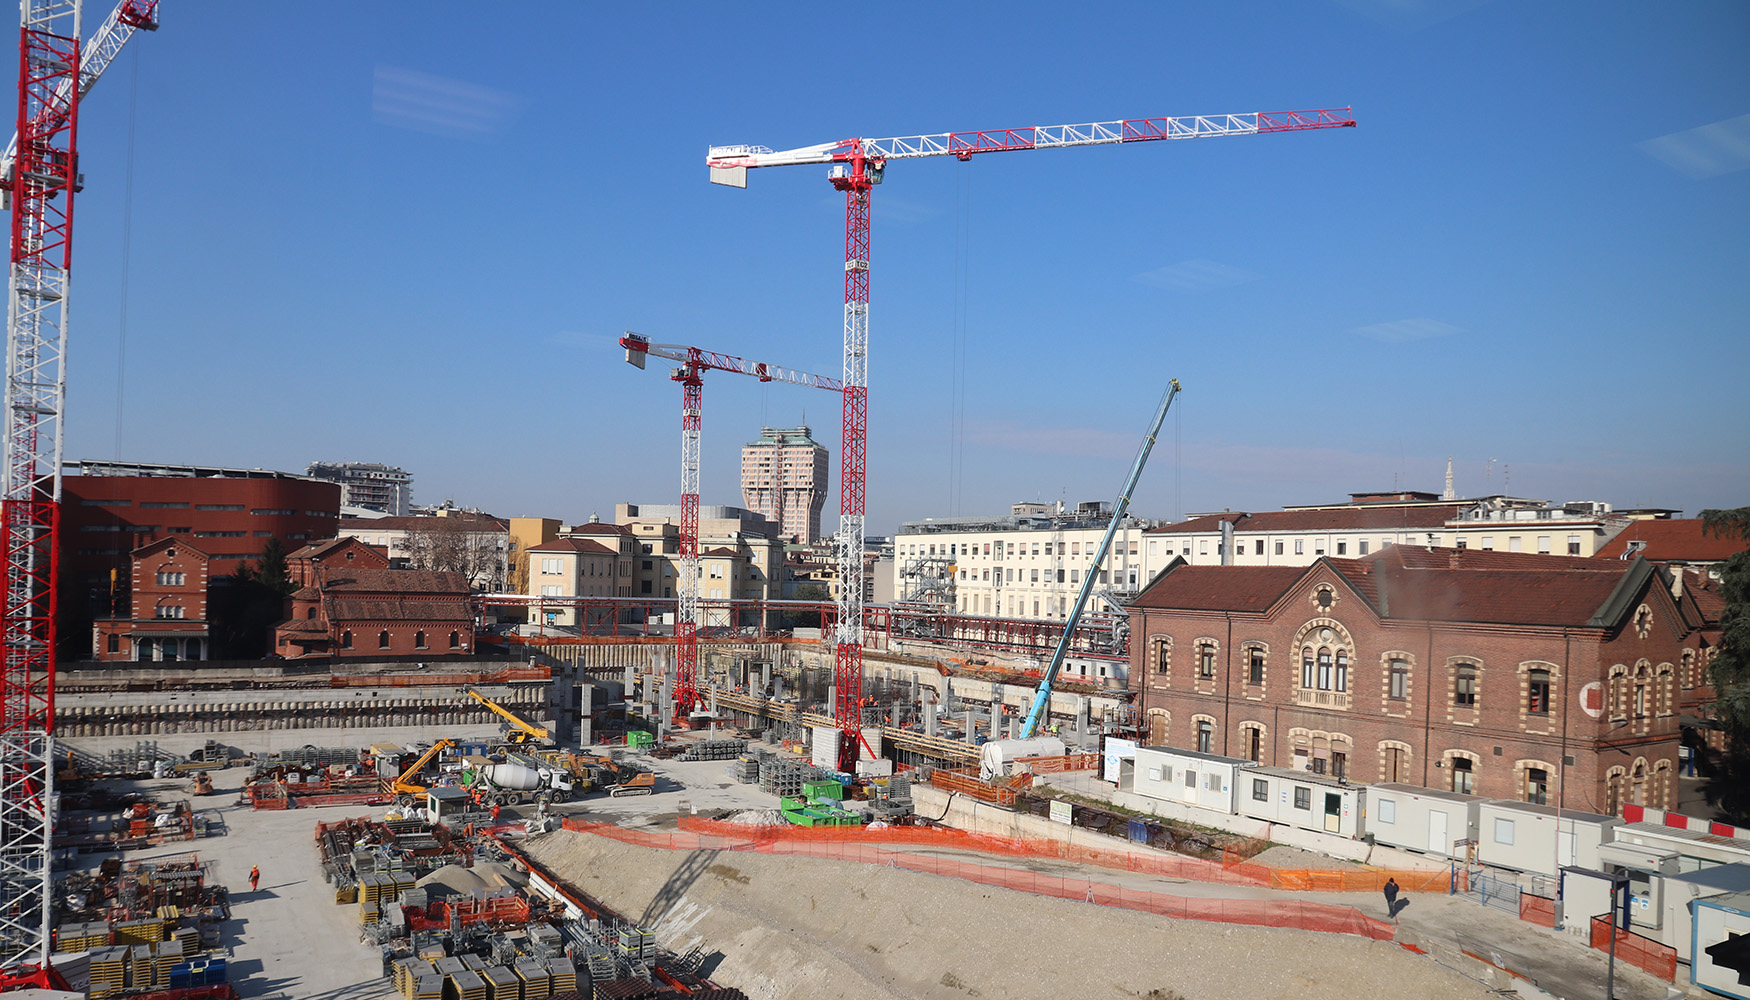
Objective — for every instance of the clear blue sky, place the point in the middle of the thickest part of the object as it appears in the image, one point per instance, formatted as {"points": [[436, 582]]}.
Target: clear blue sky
{"points": [[410, 233]]}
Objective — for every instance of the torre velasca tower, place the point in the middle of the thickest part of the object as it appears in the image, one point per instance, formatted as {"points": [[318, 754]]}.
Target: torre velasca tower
{"points": [[784, 477]]}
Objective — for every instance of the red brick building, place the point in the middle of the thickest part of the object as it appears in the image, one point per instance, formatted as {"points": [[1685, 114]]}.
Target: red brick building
{"points": [[350, 605], [1519, 676], [167, 589], [114, 508]]}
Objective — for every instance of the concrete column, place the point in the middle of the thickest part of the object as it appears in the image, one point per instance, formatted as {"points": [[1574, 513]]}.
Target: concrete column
{"points": [[1014, 727], [929, 710], [1084, 705], [971, 732], [765, 678]]}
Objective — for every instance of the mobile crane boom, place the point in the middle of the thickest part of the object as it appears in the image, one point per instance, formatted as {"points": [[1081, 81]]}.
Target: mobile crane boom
{"points": [[520, 731], [1042, 698]]}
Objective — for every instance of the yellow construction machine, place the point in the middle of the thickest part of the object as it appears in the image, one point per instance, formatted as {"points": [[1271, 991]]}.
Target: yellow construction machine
{"points": [[407, 786], [517, 732]]}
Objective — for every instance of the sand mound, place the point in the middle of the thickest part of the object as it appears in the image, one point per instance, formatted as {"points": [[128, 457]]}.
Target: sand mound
{"points": [[803, 927]]}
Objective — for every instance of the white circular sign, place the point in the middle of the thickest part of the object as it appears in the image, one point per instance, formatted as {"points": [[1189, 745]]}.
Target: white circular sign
{"points": [[1592, 699]]}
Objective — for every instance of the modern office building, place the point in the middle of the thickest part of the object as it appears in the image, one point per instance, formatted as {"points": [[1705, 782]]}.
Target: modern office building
{"points": [[784, 477]]}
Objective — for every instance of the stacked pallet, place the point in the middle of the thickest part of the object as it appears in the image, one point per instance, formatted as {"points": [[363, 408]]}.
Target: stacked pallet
{"points": [[467, 984], [563, 976], [148, 930], [407, 974], [713, 750], [537, 984], [82, 937], [624, 989], [501, 983], [108, 972]]}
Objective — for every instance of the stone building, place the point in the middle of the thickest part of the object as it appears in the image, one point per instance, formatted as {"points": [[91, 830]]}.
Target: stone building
{"points": [[350, 605], [167, 595], [1541, 678]]}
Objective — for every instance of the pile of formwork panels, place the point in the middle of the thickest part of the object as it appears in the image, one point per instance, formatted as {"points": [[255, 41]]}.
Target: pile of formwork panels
{"points": [[785, 776], [890, 797], [713, 750]]}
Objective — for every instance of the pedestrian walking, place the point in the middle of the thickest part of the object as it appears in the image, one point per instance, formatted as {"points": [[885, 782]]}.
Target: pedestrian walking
{"points": [[1391, 898], [254, 877], [495, 808]]}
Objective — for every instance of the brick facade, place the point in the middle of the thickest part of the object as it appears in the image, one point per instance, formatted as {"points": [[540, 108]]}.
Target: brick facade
{"points": [[1437, 667], [167, 592], [351, 606]]}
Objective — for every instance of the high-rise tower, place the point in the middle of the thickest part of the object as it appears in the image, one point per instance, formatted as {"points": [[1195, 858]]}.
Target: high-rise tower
{"points": [[784, 477]]}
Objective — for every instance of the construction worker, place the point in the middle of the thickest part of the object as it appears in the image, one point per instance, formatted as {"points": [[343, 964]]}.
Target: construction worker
{"points": [[254, 877], [495, 808]]}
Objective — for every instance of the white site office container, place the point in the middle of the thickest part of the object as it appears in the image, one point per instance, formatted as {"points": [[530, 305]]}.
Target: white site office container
{"points": [[1204, 780], [1304, 800], [1429, 820], [1680, 893], [1522, 836], [1715, 921], [1695, 850]]}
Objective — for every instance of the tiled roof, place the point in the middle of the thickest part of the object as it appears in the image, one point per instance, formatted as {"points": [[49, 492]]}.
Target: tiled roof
{"points": [[572, 545], [470, 522], [317, 549], [1678, 540], [172, 540], [300, 625], [720, 551], [400, 610], [393, 581], [1409, 582], [598, 528], [1359, 518], [1208, 522], [1219, 588], [306, 594]]}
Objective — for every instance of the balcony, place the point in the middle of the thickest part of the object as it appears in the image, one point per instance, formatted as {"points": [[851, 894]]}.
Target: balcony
{"points": [[1314, 698]]}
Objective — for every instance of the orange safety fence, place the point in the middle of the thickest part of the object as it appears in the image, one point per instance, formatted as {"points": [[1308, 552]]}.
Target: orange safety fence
{"points": [[1291, 913], [509, 675], [1539, 910], [1060, 764], [1643, 953], [439, 914]]}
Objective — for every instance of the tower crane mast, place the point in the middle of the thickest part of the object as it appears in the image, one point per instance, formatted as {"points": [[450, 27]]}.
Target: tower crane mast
{"points": [[694, 362], [856, 166], [41, 174]]}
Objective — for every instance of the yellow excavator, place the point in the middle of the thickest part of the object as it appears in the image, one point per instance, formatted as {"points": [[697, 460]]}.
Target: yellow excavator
{"points": [[517, 732], [407, 786]]}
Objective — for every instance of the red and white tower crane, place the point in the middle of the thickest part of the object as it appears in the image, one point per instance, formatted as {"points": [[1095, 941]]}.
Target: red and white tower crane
{"points": [[694, 362], [41, 172], [856, 167]]}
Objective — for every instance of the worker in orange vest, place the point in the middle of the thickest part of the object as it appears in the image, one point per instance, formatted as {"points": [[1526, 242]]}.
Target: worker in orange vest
{"points": [[254, 877], [495, 808]]}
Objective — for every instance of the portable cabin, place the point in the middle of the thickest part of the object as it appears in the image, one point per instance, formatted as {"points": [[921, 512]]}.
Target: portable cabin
{"points": [[1679, 893], [1522, 836], [1695, 850], [1303, 799], [1428, 820], [1204, 780], [1118, 761], [1647, 868], [1719, 921], [446, 801]]}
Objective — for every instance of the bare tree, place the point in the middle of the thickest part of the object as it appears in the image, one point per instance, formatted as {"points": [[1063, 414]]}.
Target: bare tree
{"points": [[475, 547]]}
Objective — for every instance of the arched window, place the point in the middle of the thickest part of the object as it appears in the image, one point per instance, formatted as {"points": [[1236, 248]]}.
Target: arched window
{"points": [[1342, 670], [346, 639], [1205, 735], [1537, 692], [419, 639], [1464, 692], [1307, 680], [455, 640], [1324, 670], [311, 614], [383, 639]]}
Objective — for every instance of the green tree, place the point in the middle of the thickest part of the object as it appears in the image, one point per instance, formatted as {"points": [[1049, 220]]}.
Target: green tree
{"points": [[1728, 786], [795, 618], [271, 571]]}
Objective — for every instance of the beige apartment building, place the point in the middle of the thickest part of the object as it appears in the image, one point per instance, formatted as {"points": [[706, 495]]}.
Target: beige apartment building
{"points": [[784, 478]]}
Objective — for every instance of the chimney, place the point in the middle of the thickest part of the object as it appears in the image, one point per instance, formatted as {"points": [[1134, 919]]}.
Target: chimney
{"points": [[1677, 583], [1227, 543], [1452, 559]]}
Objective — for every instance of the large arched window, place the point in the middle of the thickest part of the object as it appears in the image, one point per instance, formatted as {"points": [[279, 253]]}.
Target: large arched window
{"points": [[383, 639], [346, 639], [419, 639], [455, 640]]}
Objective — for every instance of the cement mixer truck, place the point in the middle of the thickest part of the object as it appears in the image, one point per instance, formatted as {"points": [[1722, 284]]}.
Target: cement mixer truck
{"points": [[517, 781]]}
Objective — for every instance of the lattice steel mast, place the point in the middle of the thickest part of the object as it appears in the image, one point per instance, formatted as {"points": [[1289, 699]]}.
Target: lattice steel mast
{"points": [[42, 175], [857, 166]]}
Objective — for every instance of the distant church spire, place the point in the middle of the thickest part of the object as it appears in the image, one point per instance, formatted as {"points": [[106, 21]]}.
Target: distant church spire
{"points": [[1449, 494]]}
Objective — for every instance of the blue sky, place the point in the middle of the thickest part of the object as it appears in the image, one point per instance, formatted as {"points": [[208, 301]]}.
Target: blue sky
{"points": [[412, 236]]}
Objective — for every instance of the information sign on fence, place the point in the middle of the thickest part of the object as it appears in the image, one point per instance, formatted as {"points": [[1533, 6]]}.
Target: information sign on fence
{"points": [[1061, 811]]}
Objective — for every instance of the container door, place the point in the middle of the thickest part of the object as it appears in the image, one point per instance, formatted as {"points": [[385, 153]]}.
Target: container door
{"points": [[1437, 842], [1333, 812]]}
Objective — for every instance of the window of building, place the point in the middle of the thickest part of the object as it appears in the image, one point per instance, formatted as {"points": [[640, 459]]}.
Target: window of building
{"points": [[1075, 576], [310, 614], [1537, 786], [1254, 744], [1203, 546], [113, 643], [1339, 764], [1260, 788], [644, 586], [1300, 546], [419, 639], [1047, 549], [1513, 544], [1488, 543], [455, 639], [1206, 661], [1255, 667], [272, 512], [1463, 776], [383, 639], [1163, 655], [167, 579], [1324, 670], [1035, 576], [169, 611], [1573, 545], [1543, 543], [1385, 810], [1306, 668], [1363, 549], [1537, 695], [1258, 547], [1342, 670], [1342, 548], [1278, 548], [1205, 735], [1463, 544], [1302, 797], [346, 640], [1503, 830], [1464, 693], [1190, 778], [1398, 688]]}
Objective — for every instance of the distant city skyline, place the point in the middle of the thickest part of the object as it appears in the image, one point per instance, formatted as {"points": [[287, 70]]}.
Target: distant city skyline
{"points": [[1487, 267]]}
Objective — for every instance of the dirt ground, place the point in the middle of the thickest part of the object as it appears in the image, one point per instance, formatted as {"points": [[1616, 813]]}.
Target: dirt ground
{"points": [[782, 927]]}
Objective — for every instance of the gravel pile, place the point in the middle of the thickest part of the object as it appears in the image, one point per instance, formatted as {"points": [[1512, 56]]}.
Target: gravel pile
{"points": [[803, 927]]}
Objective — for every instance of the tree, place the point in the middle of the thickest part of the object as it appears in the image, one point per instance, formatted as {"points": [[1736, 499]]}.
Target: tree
{"points": [[473, 546], [795, 618], [272, 570], [1729, 670]]}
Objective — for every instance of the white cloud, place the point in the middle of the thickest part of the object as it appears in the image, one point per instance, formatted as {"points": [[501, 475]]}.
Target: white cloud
{"points": [[421, 102], [1404, 331], [1708, 151], [1196, 276]]}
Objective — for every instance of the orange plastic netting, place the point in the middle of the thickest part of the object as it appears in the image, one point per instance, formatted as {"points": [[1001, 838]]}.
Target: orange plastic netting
{"points": [[864, 846]]}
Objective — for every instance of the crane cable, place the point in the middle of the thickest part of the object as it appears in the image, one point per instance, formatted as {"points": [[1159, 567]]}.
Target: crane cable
{"points": [[121, 366]]}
